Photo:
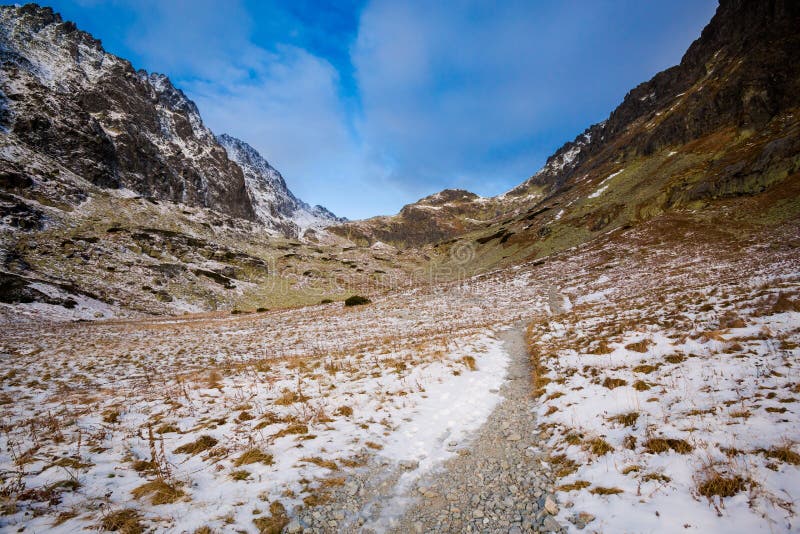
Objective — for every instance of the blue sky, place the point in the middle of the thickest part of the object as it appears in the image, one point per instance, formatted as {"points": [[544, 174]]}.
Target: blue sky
{"points": [[365, 106]]}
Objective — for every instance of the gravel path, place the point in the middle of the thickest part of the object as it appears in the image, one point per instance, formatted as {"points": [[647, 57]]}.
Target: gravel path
{"points": [[496, 483]]}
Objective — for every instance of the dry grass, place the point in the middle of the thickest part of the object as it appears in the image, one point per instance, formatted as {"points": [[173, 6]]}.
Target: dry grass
{"points": [[575, 486], [612, 383], [274, 523], [160, 492], [641, 385], [625, 419], [659, 445], [598, 446], [252, 456], [715, 484], [784, 453], [600, 490], [125, 521], [203, 443], [469, 362]]}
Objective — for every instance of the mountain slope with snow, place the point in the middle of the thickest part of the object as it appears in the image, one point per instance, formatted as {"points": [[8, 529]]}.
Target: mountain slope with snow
{"points": [[273, 202]]}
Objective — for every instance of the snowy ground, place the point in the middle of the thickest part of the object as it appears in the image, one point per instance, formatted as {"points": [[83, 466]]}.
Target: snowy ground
{"points": [[232, 422], [271, 409], [674, 406]]}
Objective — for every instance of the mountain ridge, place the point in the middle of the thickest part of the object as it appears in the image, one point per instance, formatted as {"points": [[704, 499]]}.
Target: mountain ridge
{"points": [[65, 97], [736, 79]]}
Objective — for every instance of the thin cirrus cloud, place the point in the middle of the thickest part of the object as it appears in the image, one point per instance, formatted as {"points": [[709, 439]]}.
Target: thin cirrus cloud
{"points": [[366, 107]]}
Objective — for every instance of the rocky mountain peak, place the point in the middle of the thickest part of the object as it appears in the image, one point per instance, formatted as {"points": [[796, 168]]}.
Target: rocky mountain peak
{"points": [[65, 99], [273, 202]]}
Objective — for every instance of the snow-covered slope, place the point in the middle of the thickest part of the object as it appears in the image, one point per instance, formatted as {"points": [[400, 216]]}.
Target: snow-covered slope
{"points": [[272, 201]]}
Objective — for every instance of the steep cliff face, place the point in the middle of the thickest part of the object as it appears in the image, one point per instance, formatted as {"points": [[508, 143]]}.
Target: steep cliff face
{"points": [[64, 97]]}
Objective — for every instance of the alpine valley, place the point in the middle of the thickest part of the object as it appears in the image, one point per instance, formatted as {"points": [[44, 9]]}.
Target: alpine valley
{"points": [[610, 346]]}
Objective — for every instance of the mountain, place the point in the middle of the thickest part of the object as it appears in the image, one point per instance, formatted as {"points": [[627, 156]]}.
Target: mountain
{"points": [[723, 124], [64, 98], [272, 202], [116, 199]]}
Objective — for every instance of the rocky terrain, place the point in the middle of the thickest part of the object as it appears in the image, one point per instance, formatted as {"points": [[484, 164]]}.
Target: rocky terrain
{"points": [[611, 346]]}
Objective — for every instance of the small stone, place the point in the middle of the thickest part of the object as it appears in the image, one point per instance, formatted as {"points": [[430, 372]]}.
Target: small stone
{"points": [[513, 437], [551, 525], [477, 513], [294, 526], [550, 506], [338, 515]]}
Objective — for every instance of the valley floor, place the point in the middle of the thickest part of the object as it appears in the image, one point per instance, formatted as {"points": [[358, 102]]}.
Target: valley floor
{"points": [[662, 396]]}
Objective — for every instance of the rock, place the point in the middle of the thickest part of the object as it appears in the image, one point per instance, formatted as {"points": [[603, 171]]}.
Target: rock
{"points": [[550, 525], [338, 515], [513, 437], [294, 526], [550, 506], [477, 513]]}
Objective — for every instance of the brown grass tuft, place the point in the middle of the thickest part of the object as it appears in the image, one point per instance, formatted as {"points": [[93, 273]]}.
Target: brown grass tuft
{"points": [[574, 486], [659, 445], [160, 492], [784, 453], [203, 443], [125, 521], [625, 419], [252, 456], [612, 383], [600, 490], [716, 484], [274, 523], [598, 446]]}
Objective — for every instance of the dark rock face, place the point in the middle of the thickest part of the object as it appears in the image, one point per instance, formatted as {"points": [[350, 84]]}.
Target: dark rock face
{"points": [[64, 97]]}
